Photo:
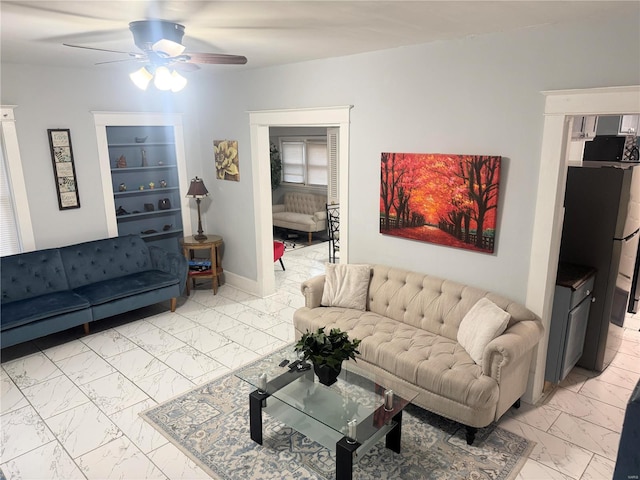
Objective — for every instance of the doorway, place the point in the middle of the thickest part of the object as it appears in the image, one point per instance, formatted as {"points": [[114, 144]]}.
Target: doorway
{"points": [[560, 106], [260, 122]]}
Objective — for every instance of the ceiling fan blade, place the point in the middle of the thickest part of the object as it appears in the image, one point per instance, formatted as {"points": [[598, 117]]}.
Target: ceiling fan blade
{"points": [[99, 49], [185, 67], [214, 58], [121, 61]]}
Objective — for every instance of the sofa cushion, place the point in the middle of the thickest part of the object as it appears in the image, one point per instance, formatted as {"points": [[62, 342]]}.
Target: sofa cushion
{"points": [[484, 322], [304, 203], [92, 262], [21, 312], [430, 303], [125, 286], [32, 274], [346, 286], [434, 362], [295, 218]]}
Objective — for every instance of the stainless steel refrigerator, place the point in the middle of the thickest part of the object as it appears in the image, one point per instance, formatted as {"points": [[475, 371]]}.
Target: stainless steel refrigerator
{"points": [[601, 230]]}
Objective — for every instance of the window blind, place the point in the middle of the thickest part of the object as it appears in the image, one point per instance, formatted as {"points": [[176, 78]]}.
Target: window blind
{"points": [[9, 239], [317, 163], [293, 162]]}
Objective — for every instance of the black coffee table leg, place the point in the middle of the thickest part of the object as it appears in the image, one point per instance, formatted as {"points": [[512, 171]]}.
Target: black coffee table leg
{"points": [[344, 459], [256, 400], [392, 439]]}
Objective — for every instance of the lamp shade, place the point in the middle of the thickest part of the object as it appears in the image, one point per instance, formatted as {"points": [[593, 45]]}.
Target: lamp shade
{"points": [[178, 82], [141, 78], [162, 79], [168, 48], [197, 189]]}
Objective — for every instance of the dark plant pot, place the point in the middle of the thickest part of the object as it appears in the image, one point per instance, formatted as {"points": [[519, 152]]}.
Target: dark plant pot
{"points": [[327, 375]]}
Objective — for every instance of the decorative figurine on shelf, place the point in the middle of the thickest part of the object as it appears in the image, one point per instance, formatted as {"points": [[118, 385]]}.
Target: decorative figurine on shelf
{"points": [[160, 162], [152, 185], [122, 162], [122, 187], [144, 158], [163, 184], [141, 139], [141, 187]]}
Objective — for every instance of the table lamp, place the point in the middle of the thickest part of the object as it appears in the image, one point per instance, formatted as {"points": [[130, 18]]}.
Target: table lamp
{"points": [[197, 190]]}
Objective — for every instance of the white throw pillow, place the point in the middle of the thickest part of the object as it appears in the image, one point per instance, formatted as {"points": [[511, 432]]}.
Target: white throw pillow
{"points": [[346, 286], [484, 322]]}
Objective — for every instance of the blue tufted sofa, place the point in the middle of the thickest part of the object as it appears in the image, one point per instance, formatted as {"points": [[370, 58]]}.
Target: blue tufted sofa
{"points": [[50, 290]]}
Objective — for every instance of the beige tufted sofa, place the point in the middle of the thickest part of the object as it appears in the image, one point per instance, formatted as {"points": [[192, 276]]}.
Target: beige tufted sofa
{"points": [[303, 212], [408, 334]]}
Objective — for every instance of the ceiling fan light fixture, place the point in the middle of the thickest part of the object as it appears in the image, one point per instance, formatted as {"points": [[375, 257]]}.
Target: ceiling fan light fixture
{"points": [[141, 78], [168, 48], [178, 82], [163, 79]]}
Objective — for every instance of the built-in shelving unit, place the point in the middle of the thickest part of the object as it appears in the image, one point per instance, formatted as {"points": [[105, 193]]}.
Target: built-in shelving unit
{"points": [[144, 176]]}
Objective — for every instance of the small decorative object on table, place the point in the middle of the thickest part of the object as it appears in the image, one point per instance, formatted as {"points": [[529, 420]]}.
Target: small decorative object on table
{"points": [[164, 204], [141, 187], [122, 187], [163, 184], [152, 185], [327, 352]]}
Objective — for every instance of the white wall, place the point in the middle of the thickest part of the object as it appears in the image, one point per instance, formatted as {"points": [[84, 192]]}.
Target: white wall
{"points": [[479, 95], [64, 98]]}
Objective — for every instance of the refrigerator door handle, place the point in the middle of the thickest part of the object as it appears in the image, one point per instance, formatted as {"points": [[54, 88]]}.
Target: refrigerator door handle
{"points": [[629, 237]]}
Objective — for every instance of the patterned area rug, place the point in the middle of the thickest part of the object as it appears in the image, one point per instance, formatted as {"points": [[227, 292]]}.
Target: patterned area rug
{"points": [[210, 424]]}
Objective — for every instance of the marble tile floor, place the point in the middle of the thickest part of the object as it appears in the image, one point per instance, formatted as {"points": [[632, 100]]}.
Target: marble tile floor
{"points": [[69, 403]]}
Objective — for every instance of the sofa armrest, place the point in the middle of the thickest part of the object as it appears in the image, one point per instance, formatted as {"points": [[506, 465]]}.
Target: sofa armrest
{"points": [[312, 290], [277, 208], [170, 262], [320, 216], [509, 347]]}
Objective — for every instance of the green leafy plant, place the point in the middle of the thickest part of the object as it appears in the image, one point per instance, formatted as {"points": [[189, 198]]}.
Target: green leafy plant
{"points": [[276, 166], [327, 349]]}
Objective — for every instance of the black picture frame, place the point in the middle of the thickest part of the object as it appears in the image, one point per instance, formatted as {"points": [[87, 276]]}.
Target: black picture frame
{"points": [[64, 170]]}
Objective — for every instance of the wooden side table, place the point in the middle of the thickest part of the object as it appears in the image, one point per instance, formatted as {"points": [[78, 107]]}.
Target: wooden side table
{"points": [[213, 244]]}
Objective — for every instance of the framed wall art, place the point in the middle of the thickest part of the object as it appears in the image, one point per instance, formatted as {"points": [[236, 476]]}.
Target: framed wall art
{"points": [[445, 199], [227, 162], [64, 170]]}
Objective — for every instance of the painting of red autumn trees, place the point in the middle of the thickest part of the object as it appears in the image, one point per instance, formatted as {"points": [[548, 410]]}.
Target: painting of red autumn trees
{"points": [[439, 198]]}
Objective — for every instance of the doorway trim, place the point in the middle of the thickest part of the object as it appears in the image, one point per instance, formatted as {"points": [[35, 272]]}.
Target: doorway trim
{"points": [[260, 121], [560, 106]]}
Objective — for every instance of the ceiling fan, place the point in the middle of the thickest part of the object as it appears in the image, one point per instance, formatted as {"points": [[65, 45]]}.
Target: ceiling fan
{"points": [[161, 49]]}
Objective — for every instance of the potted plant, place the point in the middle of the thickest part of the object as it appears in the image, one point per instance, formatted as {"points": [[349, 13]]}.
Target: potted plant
{"points": [[327, 352], [276, 166]]}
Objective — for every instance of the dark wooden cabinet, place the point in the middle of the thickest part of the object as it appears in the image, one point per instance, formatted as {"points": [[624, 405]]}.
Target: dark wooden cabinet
{"points": [[571, 305]]}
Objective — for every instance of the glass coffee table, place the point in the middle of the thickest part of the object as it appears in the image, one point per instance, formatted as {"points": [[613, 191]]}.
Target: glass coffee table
{"points": [[348, 417]]}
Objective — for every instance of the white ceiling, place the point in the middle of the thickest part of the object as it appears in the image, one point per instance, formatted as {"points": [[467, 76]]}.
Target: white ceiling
{"points": [[269, 32]]}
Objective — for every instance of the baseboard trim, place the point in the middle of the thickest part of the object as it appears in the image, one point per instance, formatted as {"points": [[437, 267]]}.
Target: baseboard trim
{"points": [[241, 283]]}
